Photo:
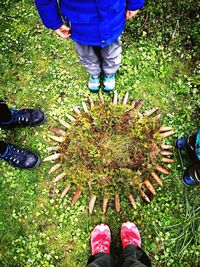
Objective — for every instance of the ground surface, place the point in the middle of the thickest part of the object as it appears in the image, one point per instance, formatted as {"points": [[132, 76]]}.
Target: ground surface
{"points": [[40, 70]]}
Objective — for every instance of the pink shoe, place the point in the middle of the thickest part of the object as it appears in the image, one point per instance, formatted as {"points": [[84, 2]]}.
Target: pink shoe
{"points": [[100, 239], [130, 235]]}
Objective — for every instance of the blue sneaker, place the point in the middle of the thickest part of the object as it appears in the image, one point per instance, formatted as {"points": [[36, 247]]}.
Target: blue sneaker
{"points": [[188, 179], [20, 158], [180, 143], [109, 83], [94, 84], [24, 117]]}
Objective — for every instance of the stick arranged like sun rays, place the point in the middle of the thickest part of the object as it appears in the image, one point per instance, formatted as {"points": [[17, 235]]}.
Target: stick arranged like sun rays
{"points": [[144, 181]]}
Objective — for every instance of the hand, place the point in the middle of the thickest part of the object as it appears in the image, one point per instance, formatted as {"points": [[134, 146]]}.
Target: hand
{"points": [[63, 31], [131, 14]]}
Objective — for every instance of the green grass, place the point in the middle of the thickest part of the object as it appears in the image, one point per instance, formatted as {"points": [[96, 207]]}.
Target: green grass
{"points": [[40, 70]]}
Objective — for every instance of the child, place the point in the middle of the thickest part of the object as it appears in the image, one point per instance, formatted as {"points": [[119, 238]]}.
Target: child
{"points": [[95, 26], [11, 118], [191, 175]]}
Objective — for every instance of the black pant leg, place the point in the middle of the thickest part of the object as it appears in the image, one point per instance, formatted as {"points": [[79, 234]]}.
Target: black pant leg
{"points": [[3, 147], [5, 113], [100, 260], [134, 256]]}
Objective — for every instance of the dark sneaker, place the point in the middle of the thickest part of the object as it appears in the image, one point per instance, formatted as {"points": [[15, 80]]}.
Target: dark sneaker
{"points": [[180, 143], [94, 84], [20, 158], [130, 235], [191, 176], [109, 83], [100, 239], [24, 117]]}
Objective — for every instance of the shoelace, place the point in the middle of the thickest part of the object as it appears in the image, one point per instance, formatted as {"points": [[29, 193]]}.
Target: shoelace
{"points": [[10, 157], [101, 246], [20, 119]]}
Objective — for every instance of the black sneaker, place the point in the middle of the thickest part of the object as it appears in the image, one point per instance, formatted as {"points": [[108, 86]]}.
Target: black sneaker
{"points": [[24, 117], [20, 158]]}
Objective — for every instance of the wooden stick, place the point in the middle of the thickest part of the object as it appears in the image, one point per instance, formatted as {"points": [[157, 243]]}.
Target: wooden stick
{"points": [[157, 118], [58, 139], [53, 148], [76, 196], [58, 131], [163, 146], [65, 191], [167, 160], [70, 117], [149, 186], [157, 178], [150, 111], [132, 200], [52, 157], [65, 124], [125, 99], [115, 97], [92, 203], [139, 104], [166, 153], [54, 168], [163, 129], [59, 177], [84, 107], [105, 204], [133, 103], [162, 169], [76, 111], [167, 134], [117, 203], [90, 101], [101, 98], [143, 195]]}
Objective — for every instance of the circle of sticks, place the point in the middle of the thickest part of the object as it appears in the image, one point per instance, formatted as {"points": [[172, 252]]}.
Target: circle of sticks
{"points": [[145, 188]]}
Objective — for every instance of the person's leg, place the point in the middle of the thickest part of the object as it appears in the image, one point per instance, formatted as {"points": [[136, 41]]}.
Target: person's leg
{"points": [[3, 147], [100, 260], [111, 61], [191, 175], [133, 255], [90, 58], [111, 57], [100, 247], [5, 113]]}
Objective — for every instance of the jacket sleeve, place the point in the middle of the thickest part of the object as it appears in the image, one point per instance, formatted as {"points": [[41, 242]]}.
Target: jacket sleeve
{"points": [[49, 13], [134, 4]]}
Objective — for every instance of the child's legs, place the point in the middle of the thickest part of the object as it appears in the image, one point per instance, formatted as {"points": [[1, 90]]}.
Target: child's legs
{"points": [[100, 260], [111, 57], [5, 114], [90, 58]]}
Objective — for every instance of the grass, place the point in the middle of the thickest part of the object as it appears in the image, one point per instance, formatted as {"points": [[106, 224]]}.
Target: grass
{"points": [[40, 70]]}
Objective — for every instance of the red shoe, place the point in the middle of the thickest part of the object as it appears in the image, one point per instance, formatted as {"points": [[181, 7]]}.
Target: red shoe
{"points": [[100, 239], [130, 235]]}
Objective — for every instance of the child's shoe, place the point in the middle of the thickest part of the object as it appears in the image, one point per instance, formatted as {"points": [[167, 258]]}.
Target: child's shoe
{"points": [[191, 176], [94, 84], [100, 239], [20, 158], [180, 143], [24, 117], [109, 83], [130, 235]]}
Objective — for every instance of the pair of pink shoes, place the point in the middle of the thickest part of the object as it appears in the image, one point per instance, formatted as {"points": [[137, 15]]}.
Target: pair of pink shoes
{"points": [[101, 237]]}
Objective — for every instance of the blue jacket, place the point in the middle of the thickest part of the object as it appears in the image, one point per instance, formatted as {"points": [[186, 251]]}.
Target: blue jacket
{"points": [[92, 22]]}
